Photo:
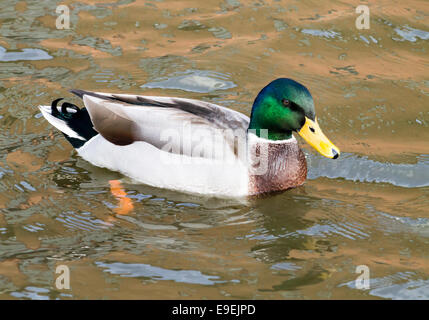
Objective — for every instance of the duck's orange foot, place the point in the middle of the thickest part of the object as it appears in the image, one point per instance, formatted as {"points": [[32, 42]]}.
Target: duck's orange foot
{"points": [[125, 204]]}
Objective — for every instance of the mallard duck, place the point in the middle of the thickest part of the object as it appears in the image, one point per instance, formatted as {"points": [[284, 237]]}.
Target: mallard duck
{"points": [[195, 146]]}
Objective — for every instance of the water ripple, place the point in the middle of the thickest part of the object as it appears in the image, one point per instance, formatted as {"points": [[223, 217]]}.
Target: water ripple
{"points": [[25, 54], [399, 286], [321, 33], [411, 34], [33, 293], [156, 273], [82, 221], [194, 81], [360, 168]]}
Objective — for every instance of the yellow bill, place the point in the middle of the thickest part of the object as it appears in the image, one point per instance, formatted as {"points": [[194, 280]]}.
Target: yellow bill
{"points": [[314, 136]]}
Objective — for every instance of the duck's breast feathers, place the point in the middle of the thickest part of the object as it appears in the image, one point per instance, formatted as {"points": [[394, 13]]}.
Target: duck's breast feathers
{"points": [[123, 119]]}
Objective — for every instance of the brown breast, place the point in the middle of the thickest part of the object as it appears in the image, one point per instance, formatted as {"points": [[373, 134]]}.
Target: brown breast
{"points": [[275, 166]]}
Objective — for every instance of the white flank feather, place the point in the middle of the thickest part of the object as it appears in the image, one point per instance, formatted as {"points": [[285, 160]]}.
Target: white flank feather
{"points": [[150, 165]]}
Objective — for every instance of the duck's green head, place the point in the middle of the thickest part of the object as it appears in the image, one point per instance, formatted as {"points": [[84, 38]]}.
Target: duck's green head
{"points": [[284, 106]]}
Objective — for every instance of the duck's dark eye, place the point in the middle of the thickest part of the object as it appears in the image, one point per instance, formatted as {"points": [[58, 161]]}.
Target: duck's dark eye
{"points": [[286, 102], [312, 129]]}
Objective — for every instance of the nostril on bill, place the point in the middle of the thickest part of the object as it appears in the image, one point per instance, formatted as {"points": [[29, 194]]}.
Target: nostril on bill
{"points": [[335, 153]]}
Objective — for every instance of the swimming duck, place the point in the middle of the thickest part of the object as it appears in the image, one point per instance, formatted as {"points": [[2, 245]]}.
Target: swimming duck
{"points": [[195, 146]]}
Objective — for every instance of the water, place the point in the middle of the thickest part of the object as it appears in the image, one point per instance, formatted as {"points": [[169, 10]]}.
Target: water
{"points": [[194, 81], [369, 207]]}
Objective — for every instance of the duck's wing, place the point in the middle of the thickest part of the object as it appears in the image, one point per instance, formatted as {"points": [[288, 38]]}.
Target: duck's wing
{"points": [[176, 125]]}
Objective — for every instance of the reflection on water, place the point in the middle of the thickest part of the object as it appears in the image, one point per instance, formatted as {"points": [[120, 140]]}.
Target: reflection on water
{"points": [[411, 34], [352, 167], [25, 54], [321, 33], [82, 221], [32, 293], [122, 240], [194, 81], [399, 286], [156, 273]]}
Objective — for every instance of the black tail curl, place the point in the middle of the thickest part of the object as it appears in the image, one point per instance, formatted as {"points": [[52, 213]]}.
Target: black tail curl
{"points": [[64, 114], [79, 121]]}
